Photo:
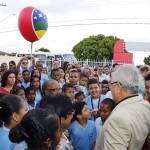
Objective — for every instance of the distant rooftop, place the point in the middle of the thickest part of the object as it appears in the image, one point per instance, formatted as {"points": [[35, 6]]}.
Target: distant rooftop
{"points": [[138, 46]]}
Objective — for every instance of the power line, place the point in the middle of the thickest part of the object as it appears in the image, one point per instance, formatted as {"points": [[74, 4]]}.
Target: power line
{"points": [[88, 24], [81, 20]]}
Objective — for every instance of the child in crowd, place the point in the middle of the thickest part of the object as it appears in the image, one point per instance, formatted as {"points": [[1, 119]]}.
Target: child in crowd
{"points": [[106, 107], [82, 131], [30, 95], [74, 80], [79, 96], [19, 91], [12, 109], [26, 79], [39, 128], [94, 100], [55, 75], [68, 90], [35, 83], [104, 87], [83, 83]]}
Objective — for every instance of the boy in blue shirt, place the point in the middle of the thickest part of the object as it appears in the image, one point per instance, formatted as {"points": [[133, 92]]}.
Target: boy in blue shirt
{"points": [[94, 100], [82, 131]]}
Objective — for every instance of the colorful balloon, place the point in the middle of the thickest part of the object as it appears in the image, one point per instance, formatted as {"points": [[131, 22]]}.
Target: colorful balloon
{"points": [[32, 24]]}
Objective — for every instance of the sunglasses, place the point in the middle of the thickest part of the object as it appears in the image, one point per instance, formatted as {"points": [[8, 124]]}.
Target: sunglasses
{"points": [[24, 62]]}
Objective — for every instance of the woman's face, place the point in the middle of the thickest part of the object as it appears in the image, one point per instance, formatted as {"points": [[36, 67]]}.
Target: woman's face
{"points": [[35, 83], [19, 76], [62, 74], [11, 79], [36, 73], [21, 94]]}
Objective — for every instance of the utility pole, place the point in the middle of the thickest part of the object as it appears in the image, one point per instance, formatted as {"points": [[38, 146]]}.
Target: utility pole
{"points": [[2, 4]]}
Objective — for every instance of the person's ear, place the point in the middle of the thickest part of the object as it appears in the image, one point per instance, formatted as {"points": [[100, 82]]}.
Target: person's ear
{"points": [[48, 142], [15, 117]]}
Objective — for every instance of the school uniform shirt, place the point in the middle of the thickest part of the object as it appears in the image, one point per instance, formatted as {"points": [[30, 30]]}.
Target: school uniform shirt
{"points": [[44, 78], [82, 138], [25, 85], [94, 103], [5, 143], [38, 97], [98, 124], [29, 107]]}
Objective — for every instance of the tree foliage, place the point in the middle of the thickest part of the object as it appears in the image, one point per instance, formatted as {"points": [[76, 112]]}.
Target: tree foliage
{"points": [[95, 47], [147, 60], [42, 49]]}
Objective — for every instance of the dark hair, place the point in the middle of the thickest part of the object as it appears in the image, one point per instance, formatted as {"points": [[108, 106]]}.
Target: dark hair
{"points": [[144, 68], [65, 65], [8, 105], [78, 94], [105, 82], [15, 90], [66, 86], [73, 71], [95, 69], [28, 89], [106, 66], [12, 62], [109, 102], [2, 94], [115, 64], [25, 71], [77, 107], [5, 77], [83, 75], [147, 77], [53, 70], [61, 68], [61, 104], [3, 64], [31, 80], [35, 128], [32, 73], [92, 81]]}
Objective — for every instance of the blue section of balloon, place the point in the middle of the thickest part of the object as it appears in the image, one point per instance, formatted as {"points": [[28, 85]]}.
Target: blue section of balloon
{"points": [[38, 16]]}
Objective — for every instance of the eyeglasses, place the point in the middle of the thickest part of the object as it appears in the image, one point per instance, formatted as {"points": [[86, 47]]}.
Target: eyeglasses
{"points": [[54, 89], [72, 112], [24, 62]]}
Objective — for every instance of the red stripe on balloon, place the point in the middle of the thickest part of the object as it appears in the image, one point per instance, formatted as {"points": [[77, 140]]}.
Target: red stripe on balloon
{"points": [[25, 24]]}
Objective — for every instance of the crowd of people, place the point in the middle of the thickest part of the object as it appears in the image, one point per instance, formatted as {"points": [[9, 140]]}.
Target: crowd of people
{"points": [[74, 108]]}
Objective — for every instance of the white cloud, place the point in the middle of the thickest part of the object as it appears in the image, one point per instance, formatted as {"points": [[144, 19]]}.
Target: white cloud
{"points": [[63, 38]]}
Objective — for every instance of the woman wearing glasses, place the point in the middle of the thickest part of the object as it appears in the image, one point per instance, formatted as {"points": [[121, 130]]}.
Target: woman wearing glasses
{"points": [[62, 106]]}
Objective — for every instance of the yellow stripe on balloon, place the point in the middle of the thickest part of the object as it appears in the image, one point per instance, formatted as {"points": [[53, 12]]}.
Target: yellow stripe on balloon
{"points": [[40, 33]]}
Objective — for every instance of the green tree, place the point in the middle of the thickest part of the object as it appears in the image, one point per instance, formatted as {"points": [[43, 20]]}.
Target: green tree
{"points": [[147, 60], [43, 50], [95, 47]]}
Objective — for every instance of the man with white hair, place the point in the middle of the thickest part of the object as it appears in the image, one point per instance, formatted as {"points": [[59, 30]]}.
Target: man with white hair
{"points": [[128, 125]]}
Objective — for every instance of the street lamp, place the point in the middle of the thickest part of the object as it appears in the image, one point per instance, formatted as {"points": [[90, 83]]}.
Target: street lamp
{"points": [[7, 17]]}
